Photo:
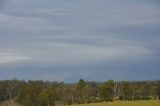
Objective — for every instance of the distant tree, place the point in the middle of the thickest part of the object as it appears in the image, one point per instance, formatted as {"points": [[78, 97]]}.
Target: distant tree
{"points": [[81, 85], [28, 95], [107, 91], [46, 98], [127, 91], [13, 87], [158, 89], [40, 93], [92, 86], [2, 91]]}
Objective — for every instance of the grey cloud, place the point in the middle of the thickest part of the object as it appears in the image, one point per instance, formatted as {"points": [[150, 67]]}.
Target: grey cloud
{"points": [[80, 37]]}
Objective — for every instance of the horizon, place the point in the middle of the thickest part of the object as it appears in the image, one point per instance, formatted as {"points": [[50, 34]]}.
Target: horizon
{"points": [[87, 39], [74, 82]]}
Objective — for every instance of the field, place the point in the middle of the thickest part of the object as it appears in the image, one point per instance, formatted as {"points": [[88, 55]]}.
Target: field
{"points": [[116, 103], [125, 103]]}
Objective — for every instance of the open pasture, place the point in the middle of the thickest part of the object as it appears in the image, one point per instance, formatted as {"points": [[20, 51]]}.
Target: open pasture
{"points": [[125, 103]]}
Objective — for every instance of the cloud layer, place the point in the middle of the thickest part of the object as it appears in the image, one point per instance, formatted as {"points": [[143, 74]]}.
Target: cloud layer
{"points": [[7, 58], [95, 40]]}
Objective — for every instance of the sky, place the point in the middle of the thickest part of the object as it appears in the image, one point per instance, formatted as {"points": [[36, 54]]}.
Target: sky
{"points": [[65, 40]]}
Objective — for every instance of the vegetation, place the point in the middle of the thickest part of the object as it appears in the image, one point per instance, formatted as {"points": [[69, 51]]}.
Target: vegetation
{"points": [[40, 93], [125, 103], [106, 91]]}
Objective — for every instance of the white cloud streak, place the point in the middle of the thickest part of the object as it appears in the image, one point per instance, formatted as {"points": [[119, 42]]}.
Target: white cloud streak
{"points": [[63, 51], [9, 58]]}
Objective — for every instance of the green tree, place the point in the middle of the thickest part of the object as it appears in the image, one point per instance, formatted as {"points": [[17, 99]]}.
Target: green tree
{"points": [[28, 95], [107, 91], [46, 98], [127, 91], [2, 91], [158, 89], [81, 85]]}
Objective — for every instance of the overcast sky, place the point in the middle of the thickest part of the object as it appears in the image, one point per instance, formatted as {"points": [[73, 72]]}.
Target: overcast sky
{"points": [[65, 40]]}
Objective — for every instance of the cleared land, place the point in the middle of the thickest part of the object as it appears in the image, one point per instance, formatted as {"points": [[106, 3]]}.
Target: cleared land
{"points": [[125, 103], [116, 103]]}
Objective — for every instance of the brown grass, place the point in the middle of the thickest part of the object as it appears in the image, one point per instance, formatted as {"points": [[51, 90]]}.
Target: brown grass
{"points": [[9, 103]]}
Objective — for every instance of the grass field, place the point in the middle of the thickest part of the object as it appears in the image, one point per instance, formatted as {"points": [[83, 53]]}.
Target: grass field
{"points": [[125, 103], [116, 103]]}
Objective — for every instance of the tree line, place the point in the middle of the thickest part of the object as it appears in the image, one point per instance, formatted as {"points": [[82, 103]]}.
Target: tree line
{"points": [[45, 93]]}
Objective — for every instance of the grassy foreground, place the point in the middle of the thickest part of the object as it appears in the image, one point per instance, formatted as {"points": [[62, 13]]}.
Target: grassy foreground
{"points": [[116, 103], [125, 103]]}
